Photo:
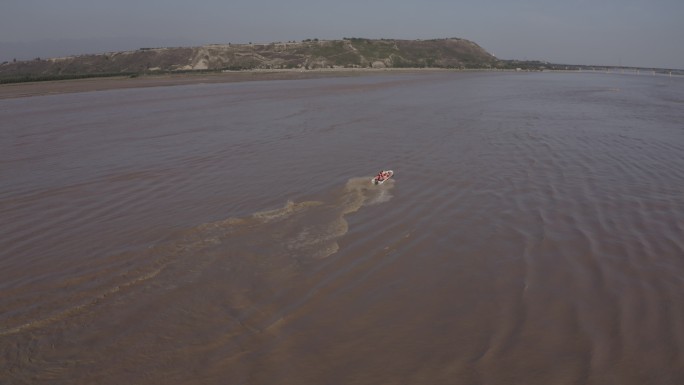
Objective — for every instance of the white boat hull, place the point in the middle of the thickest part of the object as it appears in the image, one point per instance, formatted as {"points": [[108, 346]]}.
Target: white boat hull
{"points": [[375, 180]]}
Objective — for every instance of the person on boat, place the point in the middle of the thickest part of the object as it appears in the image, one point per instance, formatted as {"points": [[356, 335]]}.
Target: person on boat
{"points": [[381, 176]]}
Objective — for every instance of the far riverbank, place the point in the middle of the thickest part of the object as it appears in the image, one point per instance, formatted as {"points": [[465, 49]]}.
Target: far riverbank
{"points": [[19, 90]]}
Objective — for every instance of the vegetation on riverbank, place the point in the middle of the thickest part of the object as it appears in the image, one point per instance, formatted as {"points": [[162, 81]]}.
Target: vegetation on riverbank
{"points": [[310, 54]]}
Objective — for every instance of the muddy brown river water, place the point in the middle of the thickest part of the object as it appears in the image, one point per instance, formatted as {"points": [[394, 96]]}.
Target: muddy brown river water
{"points": [[533, 232]]}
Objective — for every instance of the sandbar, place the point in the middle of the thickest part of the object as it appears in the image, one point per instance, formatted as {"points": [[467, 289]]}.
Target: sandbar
{"points": [[20, 90]]}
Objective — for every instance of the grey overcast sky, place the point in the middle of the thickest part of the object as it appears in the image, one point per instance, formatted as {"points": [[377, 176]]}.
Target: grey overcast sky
{"points": [[639, 33]]}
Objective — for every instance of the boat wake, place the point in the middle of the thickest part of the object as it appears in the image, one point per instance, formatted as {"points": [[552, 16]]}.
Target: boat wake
{"points": [[272, 244]]}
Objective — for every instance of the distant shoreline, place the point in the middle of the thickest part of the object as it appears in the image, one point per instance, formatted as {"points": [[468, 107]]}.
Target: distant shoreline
{"points": [[54, 87], [21, 90]]}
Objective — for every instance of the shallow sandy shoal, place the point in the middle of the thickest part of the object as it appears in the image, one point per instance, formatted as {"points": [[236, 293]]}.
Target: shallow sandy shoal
{"points": [[19, 90]]}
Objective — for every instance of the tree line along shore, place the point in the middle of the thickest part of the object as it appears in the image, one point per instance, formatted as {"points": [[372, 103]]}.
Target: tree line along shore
{"points": [[308, 55]]}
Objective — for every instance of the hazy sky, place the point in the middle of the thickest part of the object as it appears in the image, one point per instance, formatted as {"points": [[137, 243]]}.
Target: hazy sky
{"points": [[644, 33]]}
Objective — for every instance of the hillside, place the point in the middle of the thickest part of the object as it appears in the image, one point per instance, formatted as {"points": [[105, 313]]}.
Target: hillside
{"points": [[308, 54]]}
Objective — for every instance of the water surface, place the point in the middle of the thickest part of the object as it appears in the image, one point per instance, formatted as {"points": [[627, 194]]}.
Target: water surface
{"points": [[228, 233]]}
